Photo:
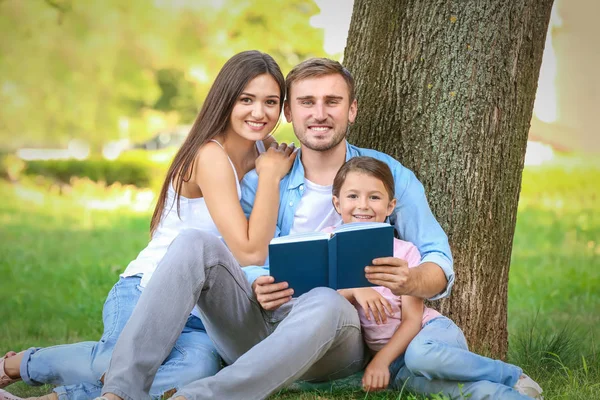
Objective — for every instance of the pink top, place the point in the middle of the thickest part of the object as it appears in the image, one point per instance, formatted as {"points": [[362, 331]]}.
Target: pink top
{"points": [[377, 336]]}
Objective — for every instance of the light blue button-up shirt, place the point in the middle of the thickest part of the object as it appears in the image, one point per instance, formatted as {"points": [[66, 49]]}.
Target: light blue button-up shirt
{"points": [[412, 217]]}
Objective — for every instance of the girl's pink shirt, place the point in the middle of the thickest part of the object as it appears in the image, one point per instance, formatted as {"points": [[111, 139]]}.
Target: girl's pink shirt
{"points": [[377, 336]]}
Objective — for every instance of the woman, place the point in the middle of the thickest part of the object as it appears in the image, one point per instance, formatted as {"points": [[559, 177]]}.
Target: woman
{"points": [[201, 191]]}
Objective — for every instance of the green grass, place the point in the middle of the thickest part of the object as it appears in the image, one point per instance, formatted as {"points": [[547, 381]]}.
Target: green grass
{"points": [[59, 260]]}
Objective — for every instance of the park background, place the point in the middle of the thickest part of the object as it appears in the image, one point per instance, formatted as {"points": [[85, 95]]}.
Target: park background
{"points": [[96, 96]]}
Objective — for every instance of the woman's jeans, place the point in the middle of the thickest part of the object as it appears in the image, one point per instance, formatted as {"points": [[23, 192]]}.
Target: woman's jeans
{"points": [[439, 361], [315, 337], [78, 367]]}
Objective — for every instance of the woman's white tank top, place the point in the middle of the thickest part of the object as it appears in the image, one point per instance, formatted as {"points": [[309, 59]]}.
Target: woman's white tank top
{"points": [[193, 214]]}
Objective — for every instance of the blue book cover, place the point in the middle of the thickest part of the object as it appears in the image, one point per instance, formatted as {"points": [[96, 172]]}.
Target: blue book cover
{"points": [[336, 260]]}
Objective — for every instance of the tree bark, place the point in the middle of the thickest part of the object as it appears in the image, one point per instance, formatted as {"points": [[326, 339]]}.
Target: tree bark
{"points": [[447, 88]]}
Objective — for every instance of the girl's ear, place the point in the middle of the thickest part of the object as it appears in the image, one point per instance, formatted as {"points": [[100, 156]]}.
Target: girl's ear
{"points": [[391, 207], [336, 204]]}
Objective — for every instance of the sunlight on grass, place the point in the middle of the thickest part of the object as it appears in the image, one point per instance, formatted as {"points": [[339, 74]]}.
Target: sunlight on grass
{"points": [[60, 259]]}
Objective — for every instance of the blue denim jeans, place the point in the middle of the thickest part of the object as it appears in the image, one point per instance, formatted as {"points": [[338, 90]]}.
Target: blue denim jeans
{"points": [[78, 367], [439, 361]]}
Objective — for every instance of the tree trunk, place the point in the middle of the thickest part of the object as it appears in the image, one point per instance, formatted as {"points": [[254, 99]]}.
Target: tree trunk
{"points": [[448, 89]]}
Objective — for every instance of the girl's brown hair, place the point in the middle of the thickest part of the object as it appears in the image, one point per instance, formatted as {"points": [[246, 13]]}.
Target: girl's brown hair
{"points": [[366, 165], [214, 116]]}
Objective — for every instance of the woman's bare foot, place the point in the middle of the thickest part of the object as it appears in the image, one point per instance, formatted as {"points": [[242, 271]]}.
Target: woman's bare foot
{"points": [[12, 365], [10, 368], [4, 395]]}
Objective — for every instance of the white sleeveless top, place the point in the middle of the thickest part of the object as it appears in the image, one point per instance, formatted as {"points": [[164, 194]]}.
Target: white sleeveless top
{"points": [[194, 215]]}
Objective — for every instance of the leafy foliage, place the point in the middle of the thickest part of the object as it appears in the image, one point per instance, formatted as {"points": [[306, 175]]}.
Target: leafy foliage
{"points": [[138, 172], [76, 69]]}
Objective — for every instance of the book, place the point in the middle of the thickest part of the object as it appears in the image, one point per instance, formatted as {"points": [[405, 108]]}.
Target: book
{"points": [[334, 259]]}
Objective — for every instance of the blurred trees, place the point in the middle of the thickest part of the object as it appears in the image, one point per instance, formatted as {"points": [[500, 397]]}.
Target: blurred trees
{"points": [[104, 70]]}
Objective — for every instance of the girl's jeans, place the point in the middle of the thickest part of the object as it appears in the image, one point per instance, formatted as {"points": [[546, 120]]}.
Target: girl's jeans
{"points": [[78, 367], [438, 360]]}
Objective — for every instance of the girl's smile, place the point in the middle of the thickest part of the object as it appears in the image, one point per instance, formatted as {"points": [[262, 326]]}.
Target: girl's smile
{"points": [[363, 198]]}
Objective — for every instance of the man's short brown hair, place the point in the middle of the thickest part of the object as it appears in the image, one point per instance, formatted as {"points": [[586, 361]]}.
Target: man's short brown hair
{"points": [[317, 67]]}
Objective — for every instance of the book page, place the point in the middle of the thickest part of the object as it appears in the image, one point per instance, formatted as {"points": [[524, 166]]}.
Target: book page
{"points": [[301, 237], [354, 226]]}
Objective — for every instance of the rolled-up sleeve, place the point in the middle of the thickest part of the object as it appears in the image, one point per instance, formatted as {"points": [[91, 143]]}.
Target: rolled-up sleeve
{"points": [[254, 271], [415, 223]]}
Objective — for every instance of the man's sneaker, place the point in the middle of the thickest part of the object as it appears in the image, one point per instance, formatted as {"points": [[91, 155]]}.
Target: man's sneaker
{"points": [[527, 386]]}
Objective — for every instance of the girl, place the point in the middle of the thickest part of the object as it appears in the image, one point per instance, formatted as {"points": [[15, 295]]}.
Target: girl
{"points": [[201, 191], [417, 346]]}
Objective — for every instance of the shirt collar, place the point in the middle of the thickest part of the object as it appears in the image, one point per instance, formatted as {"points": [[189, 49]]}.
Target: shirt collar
{"points": [[297, 173], [350, 151]]}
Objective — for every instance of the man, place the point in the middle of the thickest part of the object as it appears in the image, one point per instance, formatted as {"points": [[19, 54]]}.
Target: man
{"points": [[320, 105], [272, 344]]}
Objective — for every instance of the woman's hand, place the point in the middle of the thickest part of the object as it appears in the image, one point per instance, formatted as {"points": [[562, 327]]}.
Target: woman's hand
{"points": [[376, 376], [372, 303], [277, 160]]}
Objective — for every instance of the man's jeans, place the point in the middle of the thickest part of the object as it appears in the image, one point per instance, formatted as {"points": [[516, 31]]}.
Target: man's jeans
{"points": [[438, 360], [78, 367], [314, 337]]}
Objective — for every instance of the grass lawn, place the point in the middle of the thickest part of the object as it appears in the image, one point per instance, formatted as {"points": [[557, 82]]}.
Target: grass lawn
{"points": [[59, 259]]}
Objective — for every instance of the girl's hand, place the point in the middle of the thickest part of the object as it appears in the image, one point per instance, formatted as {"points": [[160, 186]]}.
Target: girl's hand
{"points": [[277, 160], [377, 376], [373, 303]]}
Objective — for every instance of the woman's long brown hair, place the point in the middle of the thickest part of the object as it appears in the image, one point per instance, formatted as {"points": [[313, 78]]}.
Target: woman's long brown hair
{"points": [[214, 116]]}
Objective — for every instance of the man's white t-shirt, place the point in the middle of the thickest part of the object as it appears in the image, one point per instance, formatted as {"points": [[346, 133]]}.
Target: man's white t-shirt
{"points": [[315, 211]]}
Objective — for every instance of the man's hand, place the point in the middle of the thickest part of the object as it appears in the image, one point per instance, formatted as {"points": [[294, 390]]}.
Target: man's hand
{"points": [[392, 273], [271, 295]]}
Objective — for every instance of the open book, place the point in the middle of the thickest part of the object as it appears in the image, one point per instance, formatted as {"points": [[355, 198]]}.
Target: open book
{"points": [[336, 260]]}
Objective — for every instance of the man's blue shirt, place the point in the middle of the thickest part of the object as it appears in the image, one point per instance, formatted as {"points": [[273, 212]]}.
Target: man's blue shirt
{"points": [[412, 217]]}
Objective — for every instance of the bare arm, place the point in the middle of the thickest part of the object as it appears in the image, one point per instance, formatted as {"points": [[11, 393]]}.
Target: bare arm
{"points": [[247, 239], [377, 374], [373, 304], [412, 315], [426, 281], [348, 294]]}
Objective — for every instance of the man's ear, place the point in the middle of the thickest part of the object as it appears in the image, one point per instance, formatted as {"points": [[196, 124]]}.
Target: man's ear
{"points": [[352, 111], [391, 207], [336, 204], [287, 112]]}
